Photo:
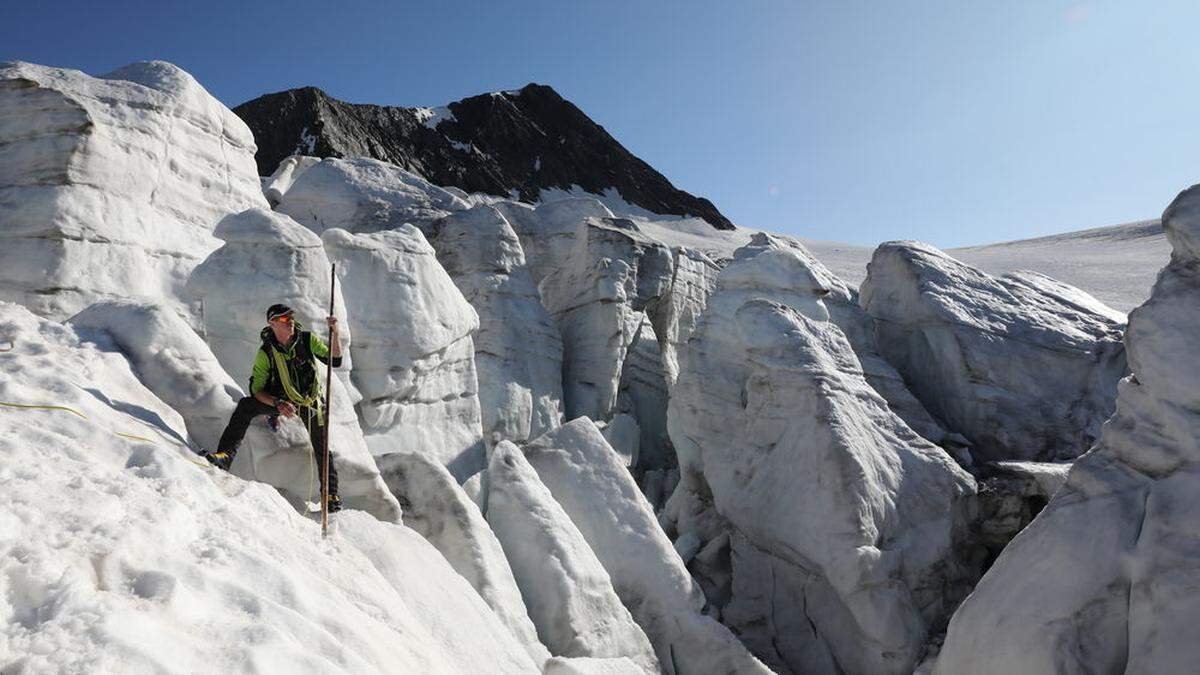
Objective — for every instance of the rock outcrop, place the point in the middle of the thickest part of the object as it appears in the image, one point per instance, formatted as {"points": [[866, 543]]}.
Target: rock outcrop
{"points": [[1103, 579], [507, 143], [414, 355], [518, 351], [1022, 366], [111, 186], [269, 258], [832, 531], [569, 595]]}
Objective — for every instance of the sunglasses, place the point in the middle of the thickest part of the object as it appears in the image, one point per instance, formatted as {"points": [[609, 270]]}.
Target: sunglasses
{"points": [[283, 319]]}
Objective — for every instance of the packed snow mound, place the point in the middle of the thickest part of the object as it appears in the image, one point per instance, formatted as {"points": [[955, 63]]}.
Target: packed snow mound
{"points": [[439, 510], [120, 551], [1022, 366], [171, 360], [843, 528], [290, 169], [268, 258], [111, 186], [414, 354], [569, 595], [518, 351], [589, 480], [364, 195], [1103, 580]]}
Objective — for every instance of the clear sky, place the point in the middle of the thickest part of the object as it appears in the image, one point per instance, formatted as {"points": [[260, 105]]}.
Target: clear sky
{"points": [[951, 121]]}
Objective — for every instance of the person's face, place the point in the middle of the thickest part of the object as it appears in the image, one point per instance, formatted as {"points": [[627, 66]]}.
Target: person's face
{"points": [[283, 326]]}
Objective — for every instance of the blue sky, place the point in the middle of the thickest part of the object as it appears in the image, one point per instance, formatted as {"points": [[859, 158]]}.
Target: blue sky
{"points": [[953, 122]]}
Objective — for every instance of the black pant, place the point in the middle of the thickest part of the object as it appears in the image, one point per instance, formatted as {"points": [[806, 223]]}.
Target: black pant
{"points": [[249, 407]]}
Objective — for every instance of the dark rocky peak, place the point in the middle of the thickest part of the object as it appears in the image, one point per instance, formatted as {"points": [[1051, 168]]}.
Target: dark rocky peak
{"points": [[511, 143]]}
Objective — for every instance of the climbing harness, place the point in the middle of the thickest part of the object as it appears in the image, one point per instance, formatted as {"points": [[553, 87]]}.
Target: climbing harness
{"points": [[312, 400]]}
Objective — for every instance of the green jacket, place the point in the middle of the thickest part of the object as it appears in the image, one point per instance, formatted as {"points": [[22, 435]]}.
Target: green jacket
{"points": [[298, 355]]}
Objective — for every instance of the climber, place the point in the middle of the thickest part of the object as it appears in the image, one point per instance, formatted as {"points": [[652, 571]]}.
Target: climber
{"points": [[285, 382]]}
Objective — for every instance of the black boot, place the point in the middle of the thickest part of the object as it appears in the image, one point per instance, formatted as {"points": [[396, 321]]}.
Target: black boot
{"points": [[220, 459]]}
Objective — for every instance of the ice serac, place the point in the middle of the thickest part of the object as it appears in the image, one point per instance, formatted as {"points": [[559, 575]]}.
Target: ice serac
{"points": [[830, 528], [364, 195], [268, 258], [1024, 367], [438, 509], [518, 351], [548, 231], [1104, 578], [171, 360], [568, 593], [111, 186], [121, 552], [614, 273], [290, 169], [695, 279], [413, 351], [591, 483]]}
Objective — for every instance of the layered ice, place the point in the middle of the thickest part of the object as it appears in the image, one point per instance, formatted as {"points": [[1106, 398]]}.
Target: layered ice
{"points": [[111, 186], [569, 594], [1103, 579], [591, 483], [830, 527], [268, 258], [518, 351], [1024, 367], [364, 195], [414, 354], [122, 552]]}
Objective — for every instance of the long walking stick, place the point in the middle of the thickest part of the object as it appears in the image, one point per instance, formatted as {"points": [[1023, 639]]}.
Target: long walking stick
{"points": [[328, 411]]}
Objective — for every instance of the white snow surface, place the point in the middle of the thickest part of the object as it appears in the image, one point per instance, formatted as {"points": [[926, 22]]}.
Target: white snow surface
{"points": [[1103, 580], [290, 169], [1024, 366], [268, 258], [567, 591], [121, 555], [589, 480], [437, 508], [518, 351], [111, 186], [364, 195], [415, 357]]}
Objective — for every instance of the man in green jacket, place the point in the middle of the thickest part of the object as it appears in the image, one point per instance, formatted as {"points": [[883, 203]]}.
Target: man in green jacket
{"points": [[285, 382]]}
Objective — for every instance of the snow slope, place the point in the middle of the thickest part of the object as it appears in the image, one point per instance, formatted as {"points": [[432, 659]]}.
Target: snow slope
{"points": [[122, 553]]}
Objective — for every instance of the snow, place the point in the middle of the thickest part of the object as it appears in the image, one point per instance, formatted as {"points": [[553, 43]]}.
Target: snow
{"points": [[1023, 366], [568, 593], [364, 195], [111, 186], [285, 175], [432, 117], [1103, 579], [439, 510], [268, 258], [415, 358], [840, 528], [126, 555], [518, 351], [589, 480]]}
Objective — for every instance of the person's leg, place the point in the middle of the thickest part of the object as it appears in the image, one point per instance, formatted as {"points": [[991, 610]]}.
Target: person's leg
{"points": [[316, 434], [247, 409]]}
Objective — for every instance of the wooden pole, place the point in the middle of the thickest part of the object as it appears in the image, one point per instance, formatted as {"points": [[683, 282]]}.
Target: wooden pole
{"points": [[328, 412]]}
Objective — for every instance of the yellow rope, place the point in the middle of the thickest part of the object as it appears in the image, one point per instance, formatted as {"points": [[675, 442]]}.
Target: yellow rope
{"points": [[26, 406]]}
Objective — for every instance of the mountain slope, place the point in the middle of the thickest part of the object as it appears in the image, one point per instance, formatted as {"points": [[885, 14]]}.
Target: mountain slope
{"points": [[511, 143]]}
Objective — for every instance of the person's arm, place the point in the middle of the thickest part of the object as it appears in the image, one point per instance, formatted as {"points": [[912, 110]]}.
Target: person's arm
{"points": [[321, 350], [262, 370]]}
